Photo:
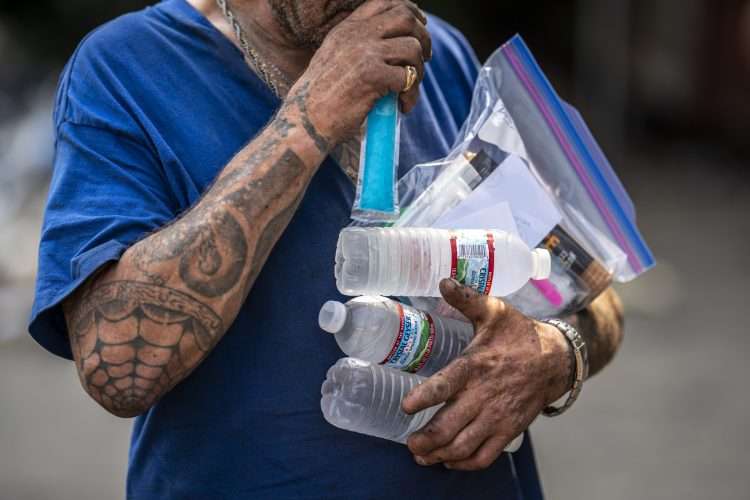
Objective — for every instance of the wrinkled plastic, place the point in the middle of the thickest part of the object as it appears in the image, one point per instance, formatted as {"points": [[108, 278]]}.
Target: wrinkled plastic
{"points": [[376, 200], [516, 112], [363, 397]]}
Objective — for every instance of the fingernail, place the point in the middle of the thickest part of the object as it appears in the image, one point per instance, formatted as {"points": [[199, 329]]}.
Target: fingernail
{"points": [[448, 466], [420, 460], [453, 283]]}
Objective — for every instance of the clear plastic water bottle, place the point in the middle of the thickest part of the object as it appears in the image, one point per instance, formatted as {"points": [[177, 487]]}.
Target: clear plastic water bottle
{"points": [[384, 331], [438, 307], [363, 397], [411, 262]]}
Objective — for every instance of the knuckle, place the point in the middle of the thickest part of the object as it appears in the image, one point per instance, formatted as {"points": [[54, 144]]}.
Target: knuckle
{"points": [[405, 17], [482, 460], [496, 307], [420, 447], [437, 432], [411, 21], [415, 48], [413, 443], [421, 33], [441, 389], [441, 385], [403, 11], [460, 451]]}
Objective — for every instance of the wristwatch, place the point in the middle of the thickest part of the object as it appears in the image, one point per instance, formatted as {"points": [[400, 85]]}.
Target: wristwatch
{"points": [[581, 355]]}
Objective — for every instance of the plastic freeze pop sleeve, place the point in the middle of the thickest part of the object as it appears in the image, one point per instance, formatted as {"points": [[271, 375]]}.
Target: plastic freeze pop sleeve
{"points": [[377, 193]]}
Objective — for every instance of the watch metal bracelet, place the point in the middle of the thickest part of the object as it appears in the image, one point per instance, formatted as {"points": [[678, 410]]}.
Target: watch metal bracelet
{"points": [[580, 353]]}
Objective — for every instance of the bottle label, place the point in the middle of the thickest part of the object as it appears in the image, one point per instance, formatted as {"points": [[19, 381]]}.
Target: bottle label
{"points": [[473, 261], [414, 342]]}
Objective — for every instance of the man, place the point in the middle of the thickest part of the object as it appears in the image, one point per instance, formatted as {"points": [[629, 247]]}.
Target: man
{"points": [[204, 164]]}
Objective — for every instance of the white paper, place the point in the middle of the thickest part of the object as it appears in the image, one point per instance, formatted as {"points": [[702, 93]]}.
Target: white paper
{"points": [[511, 183], [498, 216]]}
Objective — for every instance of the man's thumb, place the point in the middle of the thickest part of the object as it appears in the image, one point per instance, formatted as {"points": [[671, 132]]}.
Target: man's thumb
{"points": [[465, 299]]}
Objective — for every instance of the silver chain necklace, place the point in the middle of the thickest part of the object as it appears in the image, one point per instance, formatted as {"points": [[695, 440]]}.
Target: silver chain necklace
{"points": [[262, 67]]}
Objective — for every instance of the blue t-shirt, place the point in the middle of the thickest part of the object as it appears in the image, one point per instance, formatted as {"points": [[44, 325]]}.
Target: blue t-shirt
{"points": [[149, 110]]}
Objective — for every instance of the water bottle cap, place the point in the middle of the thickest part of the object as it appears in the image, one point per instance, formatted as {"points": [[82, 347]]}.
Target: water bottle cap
{"points": [[332, 316], [542, 264]]}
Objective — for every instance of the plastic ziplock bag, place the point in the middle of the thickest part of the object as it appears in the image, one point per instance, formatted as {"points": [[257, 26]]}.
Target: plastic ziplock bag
{"points": [[569, 162], [516, 113], [377, 192]]}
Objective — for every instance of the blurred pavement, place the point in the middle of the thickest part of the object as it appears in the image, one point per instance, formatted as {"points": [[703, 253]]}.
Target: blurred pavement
{"points": [[667, 420]]}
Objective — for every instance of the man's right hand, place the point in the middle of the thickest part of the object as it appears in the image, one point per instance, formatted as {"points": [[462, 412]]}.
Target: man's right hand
{"points": [[363, 58]]}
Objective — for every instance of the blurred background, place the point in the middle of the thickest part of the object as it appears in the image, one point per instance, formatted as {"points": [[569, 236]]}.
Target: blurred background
{"points": [[664, 85]]}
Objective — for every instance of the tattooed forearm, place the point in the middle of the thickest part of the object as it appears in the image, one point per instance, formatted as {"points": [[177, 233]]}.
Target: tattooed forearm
{"points": [[253, 200], [143, 324], [300, 100], [601, 326], [212, 254], [134, 341], [214, 264], [268, 239], [346, 155]]}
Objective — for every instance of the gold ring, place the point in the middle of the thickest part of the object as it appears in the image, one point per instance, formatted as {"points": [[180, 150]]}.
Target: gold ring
{"points": [[411, 78]]}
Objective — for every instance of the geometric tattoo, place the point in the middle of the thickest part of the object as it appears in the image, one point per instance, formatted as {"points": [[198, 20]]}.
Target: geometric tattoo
{"points": [[135, 341]]}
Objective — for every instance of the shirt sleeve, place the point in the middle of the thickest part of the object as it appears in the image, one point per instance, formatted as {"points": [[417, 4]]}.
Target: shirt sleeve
{"points": [[107, 191]]}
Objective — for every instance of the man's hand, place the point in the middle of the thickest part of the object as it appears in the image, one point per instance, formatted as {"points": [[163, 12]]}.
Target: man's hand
{"points": [[362, 59], [512, 370]]}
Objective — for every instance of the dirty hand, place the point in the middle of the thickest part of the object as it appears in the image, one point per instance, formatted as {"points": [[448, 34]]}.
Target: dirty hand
{"points": [[363, 58], [511, 371]]}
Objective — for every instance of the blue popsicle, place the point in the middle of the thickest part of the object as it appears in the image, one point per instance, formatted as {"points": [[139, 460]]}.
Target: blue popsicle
{"points": [[377, 194]]}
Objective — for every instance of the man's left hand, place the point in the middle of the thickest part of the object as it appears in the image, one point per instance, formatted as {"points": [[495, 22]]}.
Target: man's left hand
{"points": [[513, 368]]}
